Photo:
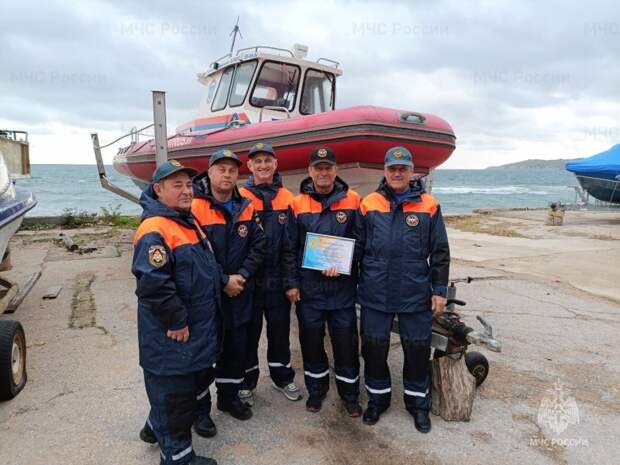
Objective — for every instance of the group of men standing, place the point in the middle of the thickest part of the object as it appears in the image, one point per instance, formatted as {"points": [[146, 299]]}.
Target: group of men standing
{"points": [[212, 260]]}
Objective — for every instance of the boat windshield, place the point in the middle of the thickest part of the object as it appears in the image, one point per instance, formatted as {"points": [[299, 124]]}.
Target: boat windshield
{"points": [[318, 92], [276, 85]]}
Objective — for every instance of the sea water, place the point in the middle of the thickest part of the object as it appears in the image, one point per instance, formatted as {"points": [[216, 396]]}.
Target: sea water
{"points": [[77, 188]]}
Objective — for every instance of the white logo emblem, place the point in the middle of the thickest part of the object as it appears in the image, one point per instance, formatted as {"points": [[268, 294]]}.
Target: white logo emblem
{"points": [[557, 410]]}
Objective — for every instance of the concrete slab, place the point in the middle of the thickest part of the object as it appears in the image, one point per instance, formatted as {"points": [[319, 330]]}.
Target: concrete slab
{"points": [[85, 402]]}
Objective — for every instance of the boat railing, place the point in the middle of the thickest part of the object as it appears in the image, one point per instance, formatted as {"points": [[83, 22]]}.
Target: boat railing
{"points": [[256, 49], [283, 109], [328, 61]]}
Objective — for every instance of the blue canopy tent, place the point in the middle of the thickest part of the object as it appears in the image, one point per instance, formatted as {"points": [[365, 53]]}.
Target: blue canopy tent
{"points": [[599, 175]]}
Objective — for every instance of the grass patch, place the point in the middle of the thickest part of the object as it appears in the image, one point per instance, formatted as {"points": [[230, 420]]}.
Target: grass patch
{"points": [[108, 216], [475, 224]]}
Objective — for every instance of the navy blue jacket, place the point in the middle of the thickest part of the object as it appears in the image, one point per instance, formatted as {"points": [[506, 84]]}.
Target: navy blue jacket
{"points": [[335, 214], [406, 256], [178, 285], [272, 203], [238, 241]]}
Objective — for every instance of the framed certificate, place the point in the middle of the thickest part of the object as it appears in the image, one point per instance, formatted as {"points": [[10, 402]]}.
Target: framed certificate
{"points": [[322, 252]]}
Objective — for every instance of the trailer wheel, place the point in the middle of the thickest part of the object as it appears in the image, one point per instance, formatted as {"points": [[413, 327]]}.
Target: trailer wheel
{"points": [[13, 374], [478, 366]]}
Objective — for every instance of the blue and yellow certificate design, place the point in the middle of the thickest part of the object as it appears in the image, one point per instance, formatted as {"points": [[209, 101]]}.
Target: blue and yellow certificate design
{"points": [[322, 252]]}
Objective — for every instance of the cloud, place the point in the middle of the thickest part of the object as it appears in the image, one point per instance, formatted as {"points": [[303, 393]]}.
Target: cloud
{"points": [[515, 80]]}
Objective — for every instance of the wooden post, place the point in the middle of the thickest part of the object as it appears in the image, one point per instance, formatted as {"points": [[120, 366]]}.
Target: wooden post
{"points": [[453, 389]]}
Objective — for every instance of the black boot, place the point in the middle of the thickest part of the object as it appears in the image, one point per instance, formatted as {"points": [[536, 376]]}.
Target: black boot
{"points": [[205, 427], [372, 414], [198, 460], [147, 434], [314, 402], [235, 407], [422, 420]]}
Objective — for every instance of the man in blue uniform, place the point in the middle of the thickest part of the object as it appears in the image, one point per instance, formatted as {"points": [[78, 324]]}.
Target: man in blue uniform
{"points": [[178, 288], [238, 240], [404, 271], [272, 202], [325, 205]]}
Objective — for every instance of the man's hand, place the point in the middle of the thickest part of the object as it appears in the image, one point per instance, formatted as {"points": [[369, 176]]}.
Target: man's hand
{"points": [[234, 287], [179, 335], [331, 272], [293, 295], [439, 304]]}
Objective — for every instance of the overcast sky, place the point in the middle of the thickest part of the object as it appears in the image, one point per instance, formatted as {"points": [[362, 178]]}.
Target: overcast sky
{"points": [[516, 80]]}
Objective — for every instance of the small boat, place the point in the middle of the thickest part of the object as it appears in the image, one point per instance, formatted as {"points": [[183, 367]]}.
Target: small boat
{"points": [[266, 94], [15, 202], [599, 175]]}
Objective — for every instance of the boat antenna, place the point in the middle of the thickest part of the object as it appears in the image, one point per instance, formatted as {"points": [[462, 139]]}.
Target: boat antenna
{"points": [[234, 33]]}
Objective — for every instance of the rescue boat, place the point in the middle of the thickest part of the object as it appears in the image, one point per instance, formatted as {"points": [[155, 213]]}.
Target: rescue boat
{"points": [[277, 96]]}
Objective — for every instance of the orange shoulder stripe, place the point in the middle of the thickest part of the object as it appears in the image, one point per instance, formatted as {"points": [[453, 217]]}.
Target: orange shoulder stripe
{"points": [[247, 214], [205, 215], [303, 203], [427, 205], [350, 202], [173, 234], [282, 200], [258, 203], [375, 202]]}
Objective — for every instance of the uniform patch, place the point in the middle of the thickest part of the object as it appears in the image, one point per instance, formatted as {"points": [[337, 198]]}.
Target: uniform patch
{"points": [[228, 153], [157, 256], [341, 217], [398, 154], [322, 153], [242, 230], [175, 163], [412, 220], [282, 217], [260, 145]]}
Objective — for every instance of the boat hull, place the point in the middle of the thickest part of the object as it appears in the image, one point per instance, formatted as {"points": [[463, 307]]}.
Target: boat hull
{"points": [[12, 211], [360, 136], [607, 190]]}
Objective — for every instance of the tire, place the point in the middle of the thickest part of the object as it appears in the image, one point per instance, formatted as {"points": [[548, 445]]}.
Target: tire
{"points": [[478, 366], [13, 374]]}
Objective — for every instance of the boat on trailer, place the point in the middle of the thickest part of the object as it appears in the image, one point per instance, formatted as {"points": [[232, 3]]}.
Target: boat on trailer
{"points": [[278, 96], [599, 175]]}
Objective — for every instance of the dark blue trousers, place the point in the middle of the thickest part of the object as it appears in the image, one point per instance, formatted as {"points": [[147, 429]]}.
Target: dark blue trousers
{"points": [[230, 369], [342, 325], [176, 402], [415, 337], [278, 317]]}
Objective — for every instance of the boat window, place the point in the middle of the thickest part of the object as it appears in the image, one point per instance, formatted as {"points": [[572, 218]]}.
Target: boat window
{"points": [[276, 85], [242, 80], [318, 92], [219, 102]]}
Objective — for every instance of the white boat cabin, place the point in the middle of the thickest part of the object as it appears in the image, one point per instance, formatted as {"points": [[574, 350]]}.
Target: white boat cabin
{"points": [[263, 84]]}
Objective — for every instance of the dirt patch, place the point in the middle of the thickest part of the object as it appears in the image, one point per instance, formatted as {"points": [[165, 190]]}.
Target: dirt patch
{"points": [[83, 310]]}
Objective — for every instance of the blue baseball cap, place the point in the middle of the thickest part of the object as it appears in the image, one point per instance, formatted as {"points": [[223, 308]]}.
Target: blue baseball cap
{"points": [[224, 155], [398, 156], [261, 148], [169, 168]]}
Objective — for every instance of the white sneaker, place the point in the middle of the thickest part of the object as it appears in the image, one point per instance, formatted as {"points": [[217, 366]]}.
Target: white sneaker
{"points": [[247, 396], [290, 391]]}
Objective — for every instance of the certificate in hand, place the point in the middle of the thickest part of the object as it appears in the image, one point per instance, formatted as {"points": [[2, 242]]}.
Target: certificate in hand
{"points": [[322, 252]]}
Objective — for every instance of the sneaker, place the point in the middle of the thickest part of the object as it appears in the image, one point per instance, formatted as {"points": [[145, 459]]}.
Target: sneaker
{"points": [[314, 403], [247, 396], [290, 391], [353, 408]]}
